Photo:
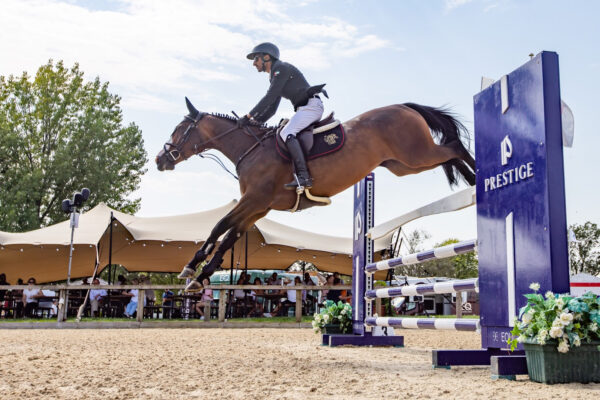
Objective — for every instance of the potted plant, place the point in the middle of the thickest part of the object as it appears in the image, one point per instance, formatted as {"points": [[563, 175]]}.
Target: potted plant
{"points": [[333, 318], [561, 336]]}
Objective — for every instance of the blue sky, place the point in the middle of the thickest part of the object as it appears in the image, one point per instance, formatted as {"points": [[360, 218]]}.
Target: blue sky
{"points": [[370, 54]]}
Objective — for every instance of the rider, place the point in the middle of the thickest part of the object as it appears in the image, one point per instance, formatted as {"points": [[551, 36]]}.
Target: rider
{"points": [[286, 81]]}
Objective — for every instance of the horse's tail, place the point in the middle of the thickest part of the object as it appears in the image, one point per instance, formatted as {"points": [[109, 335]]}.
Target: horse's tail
{"points": [[447, 128]]}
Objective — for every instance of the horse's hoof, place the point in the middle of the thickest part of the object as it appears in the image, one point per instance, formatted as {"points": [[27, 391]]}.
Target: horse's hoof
{"points": [[193, 286], [186, 272]]}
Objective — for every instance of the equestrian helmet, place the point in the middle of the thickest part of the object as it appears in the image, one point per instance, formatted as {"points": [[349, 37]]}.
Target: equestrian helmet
{"points": [[264, 48]]}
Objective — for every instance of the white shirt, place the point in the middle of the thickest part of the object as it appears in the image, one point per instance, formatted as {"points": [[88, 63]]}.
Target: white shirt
{"points": [[134, 298], [291, 294], [95, 294], [29, 293]]}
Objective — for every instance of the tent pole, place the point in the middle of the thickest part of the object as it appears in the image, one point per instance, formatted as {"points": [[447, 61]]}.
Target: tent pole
{"points": [[231, 283], [246, 274], [110, 249]]}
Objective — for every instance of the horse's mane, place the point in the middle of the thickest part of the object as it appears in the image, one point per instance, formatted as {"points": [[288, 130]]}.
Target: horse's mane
{"points": [[260, 126]]}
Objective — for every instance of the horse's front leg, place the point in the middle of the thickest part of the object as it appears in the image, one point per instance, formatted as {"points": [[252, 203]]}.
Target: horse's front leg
{"points": [[233, 218], [228, 241]]}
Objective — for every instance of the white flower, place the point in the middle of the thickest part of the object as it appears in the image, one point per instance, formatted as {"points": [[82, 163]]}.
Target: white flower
{"points": [[563, 347], [521, 338], [556, 332], [318, 317], [541, 340], [343, 312], [543, 334], [527, 318], [566, 318], [326, 317], [557, 323], [593, 327], [534, 286], [577, 341], [549, 294], [315, 323], [560, 303]]}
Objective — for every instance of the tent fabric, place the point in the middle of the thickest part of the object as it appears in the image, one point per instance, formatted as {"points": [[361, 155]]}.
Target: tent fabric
{"points": [[162, 244]]}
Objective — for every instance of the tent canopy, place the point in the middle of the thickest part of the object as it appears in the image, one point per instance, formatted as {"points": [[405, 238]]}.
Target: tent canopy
{"points": [[162, 244]]}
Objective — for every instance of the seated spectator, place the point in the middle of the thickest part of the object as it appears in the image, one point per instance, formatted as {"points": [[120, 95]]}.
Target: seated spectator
{"points": [[48, 301], [325, 292], [167, 303], [259, 300], [3, 304], [18, 299], [96, 296], [29, 297], [273, 279], [131, 307], [205, 300], [334, 294], [150, 295], [240, 293], [291, 296]]}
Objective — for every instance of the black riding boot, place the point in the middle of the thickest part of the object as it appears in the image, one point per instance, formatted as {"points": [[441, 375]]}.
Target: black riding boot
{"points": [[295, 150]]}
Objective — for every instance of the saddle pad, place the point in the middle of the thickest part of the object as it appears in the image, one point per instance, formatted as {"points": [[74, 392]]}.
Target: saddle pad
{"points": [[326, 142]]}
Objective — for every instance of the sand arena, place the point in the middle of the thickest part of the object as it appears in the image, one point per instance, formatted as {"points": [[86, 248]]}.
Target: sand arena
{"points": [[245, 364]]}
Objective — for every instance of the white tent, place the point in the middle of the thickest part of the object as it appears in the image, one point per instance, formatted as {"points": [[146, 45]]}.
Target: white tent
{"points": [[162, 244]]}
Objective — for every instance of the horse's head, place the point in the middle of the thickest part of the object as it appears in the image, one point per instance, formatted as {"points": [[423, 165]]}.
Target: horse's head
{"points": [[182, 144]]}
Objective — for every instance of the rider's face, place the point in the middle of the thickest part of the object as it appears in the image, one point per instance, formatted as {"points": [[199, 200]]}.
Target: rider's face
{"points": [[259, 63]]}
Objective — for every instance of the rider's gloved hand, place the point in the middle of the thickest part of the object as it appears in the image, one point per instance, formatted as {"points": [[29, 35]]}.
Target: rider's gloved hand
{"points": [[241, 122]]}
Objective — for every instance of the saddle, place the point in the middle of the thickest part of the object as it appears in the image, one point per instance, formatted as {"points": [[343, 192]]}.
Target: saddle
{"points": [[318, 139]]}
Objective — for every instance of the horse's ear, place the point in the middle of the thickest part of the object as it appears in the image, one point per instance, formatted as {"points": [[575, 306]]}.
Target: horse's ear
{"points": [[191, 107]]}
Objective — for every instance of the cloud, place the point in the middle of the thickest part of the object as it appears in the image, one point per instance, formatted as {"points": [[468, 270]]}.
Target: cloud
{"points": [[450, 4], [153, 49]]}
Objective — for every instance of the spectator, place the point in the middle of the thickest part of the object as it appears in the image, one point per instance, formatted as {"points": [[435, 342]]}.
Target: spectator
{"points": [[205, 300], [121, 281], [96, 296], [83, 292], [3, 305], [29, 297], [259, 299], [239, 293], [273, 279], [18, 299], [132, 305], [328, 282], [167, 303], [291, 296], [333, 294], [308, 282], [150, 295], [48, 301]]}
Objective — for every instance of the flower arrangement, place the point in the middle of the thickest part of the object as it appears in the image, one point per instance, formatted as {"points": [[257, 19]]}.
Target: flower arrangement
{"points": [[332, 313], [559, 319]]}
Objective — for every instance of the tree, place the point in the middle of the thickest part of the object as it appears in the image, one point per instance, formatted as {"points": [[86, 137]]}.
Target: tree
{"points": [[59, 133], [584, 253], [461, 266]]}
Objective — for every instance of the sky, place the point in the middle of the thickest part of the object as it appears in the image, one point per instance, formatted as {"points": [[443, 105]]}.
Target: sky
{"points": [[370, 54]]}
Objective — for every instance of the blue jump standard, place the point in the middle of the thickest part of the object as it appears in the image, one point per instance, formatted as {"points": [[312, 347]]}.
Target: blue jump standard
{"points": [[362, 340]]}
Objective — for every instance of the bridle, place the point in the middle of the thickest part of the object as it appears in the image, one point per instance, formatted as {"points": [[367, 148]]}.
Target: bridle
{"points": [[173, 151]]}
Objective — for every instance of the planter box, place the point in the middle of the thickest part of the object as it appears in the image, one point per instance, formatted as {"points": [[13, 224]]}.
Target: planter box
{"points": [[580, 364], [332, 329]]}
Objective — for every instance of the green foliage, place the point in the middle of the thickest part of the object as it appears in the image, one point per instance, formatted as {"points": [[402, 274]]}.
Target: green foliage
{"points": [[59, 133], [340, 313], [584, 254], [462, 266], [562, 320]]}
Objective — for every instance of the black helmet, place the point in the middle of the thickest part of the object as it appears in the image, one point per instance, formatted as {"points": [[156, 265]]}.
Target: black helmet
{"points": [[264, 48]]}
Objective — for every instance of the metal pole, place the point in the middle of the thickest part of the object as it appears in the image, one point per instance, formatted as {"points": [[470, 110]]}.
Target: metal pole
{"points": [[231, 283], [74, 221], [246, 274]]}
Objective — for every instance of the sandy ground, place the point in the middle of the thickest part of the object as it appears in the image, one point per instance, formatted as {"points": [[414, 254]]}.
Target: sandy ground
{"points": [[245, 364]]}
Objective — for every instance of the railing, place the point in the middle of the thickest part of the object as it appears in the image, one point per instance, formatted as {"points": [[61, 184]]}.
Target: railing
{"points": [[223, 294]]}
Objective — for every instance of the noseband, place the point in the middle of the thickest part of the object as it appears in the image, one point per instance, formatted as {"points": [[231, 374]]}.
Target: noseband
{"points": [[174, 150]]}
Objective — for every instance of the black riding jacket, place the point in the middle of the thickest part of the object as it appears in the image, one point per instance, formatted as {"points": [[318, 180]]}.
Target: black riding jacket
{"points": [[286, 81]]}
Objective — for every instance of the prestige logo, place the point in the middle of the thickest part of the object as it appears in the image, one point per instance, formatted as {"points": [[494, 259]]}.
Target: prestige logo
{"points": [[511, 175], [505, 150]]}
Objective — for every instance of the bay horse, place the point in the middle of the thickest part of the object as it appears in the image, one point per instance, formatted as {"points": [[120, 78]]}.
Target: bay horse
{"points": [[397, 137]]}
